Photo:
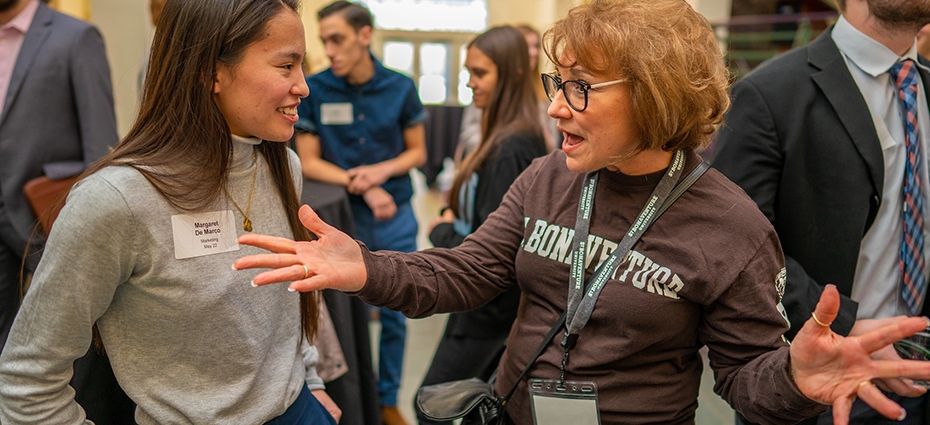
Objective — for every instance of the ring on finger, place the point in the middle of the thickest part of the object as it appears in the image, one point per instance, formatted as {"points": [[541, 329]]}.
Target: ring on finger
{"points": [[306, 271], [814, 316], [866, 382]]}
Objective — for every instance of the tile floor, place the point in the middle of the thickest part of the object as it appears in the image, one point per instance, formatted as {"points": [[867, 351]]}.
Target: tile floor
{"points": [[423, 334]]}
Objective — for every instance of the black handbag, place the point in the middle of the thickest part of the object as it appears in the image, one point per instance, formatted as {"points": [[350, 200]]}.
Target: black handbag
{"points": [[458, 399], [473, 399]]}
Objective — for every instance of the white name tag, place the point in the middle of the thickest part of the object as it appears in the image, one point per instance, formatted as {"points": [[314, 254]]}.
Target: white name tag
{"points": [[196, 235], [336, 113], [572, 403]]}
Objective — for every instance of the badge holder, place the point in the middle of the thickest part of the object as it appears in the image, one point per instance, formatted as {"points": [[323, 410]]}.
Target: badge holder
{"points": [[569, 402]]}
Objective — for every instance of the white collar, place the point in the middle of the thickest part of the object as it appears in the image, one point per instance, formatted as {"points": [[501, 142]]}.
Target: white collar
{"points": [[870, 56]]}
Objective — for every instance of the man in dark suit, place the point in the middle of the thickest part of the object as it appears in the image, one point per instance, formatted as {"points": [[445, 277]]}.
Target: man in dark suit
{"points": [[56, 117], [817, 137]]}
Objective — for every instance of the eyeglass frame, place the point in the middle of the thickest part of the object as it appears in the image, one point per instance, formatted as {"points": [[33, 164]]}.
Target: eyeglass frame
{"points": [[559, 85]]}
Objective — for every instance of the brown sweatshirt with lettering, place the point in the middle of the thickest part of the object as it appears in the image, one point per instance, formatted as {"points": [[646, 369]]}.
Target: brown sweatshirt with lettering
{"points": [[709, 272]]}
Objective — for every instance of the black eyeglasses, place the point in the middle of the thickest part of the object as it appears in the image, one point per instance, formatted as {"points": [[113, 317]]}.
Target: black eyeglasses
{"points": [[576, 92]]}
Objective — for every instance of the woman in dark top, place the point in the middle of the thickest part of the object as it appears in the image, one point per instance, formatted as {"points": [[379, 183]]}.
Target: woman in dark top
{"points": [[512, 136]]}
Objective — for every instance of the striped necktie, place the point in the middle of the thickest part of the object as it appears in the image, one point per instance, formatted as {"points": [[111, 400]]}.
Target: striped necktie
{"points": [[912, 244]]}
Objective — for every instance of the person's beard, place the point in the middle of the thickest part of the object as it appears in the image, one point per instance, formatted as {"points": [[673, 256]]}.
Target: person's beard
{"points": [[901, 14]]}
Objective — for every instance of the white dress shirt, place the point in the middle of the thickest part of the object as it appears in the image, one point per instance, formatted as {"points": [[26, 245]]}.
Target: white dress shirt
{"points": [[878, 280]]}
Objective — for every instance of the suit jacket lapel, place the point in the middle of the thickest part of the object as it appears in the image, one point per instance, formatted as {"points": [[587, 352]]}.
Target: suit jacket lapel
{"points": [[832, 76], [32, 43]]}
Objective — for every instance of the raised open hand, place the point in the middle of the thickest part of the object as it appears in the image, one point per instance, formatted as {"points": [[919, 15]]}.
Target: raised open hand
{"points": [[833, 369], [904, 387], [333, 261]]}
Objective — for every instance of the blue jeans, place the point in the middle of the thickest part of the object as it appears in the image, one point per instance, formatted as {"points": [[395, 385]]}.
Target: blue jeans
{"points": [[306, 410], [397, 234]]}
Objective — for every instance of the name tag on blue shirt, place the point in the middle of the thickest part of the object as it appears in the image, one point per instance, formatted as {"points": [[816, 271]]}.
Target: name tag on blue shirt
{"points": [[336, 113]]}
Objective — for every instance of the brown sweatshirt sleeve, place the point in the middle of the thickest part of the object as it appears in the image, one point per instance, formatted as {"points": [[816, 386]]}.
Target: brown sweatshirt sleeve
{"points": [[741, 328], [463, 278]]}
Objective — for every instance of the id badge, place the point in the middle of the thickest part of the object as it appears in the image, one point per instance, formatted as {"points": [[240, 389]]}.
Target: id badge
{"points": [[336, 113], [575, 402]]}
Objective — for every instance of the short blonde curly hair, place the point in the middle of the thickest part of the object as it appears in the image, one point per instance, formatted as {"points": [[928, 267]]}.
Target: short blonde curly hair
{"points": [[667, 52]]}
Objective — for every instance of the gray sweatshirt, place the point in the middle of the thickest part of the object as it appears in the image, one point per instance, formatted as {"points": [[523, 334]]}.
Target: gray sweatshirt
{"points": [[189, 339]]}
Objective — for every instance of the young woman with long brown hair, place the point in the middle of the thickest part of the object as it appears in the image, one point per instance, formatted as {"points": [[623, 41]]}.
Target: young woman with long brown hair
{"points": [[143, 244], [511, 137]]}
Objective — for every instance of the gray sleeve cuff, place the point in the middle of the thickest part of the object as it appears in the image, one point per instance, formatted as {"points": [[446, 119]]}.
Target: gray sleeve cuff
{"points": [[311, 358]]}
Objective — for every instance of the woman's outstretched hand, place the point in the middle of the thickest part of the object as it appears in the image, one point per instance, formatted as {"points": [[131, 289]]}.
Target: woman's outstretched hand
{"points": [[833, 369], [333, 261]]}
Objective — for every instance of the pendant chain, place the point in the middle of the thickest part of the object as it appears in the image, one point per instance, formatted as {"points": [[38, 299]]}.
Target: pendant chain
{"points": [[246, 224]]}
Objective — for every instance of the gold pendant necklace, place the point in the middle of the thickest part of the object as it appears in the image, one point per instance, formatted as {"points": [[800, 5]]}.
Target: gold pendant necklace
{"points": [[247, 224]]}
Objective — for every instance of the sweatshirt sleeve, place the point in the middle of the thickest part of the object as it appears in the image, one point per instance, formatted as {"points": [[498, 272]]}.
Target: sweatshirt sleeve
{"points": [[743, 330], [452, 280], [91, 250]]}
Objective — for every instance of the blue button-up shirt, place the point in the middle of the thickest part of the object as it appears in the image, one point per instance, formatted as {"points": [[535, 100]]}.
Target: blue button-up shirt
{"points": [[363, 124]]}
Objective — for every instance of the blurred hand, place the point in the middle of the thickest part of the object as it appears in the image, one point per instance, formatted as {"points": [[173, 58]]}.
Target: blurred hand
{"points": [[446, 217], [832, 369], [366, 177], [333, 261], [381, 203], [901, 386], [328, 403]]}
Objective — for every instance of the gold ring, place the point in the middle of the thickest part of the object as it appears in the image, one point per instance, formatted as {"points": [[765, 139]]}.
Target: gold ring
{"points": [[307, 273], [819, 322], [863, 383]]}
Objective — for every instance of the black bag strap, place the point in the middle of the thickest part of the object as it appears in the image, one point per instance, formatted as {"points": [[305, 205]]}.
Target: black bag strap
{"points": [[542, 347], [679, 190]]}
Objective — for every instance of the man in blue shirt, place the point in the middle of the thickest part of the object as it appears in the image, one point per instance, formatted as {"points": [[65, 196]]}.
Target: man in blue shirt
{"points": [[363, 129]]}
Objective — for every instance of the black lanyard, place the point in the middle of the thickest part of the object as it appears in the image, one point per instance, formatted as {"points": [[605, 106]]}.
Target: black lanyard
{"points": [[580, 301]]}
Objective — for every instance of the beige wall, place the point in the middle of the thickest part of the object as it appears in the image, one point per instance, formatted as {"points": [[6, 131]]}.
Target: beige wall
{"points": [[127, 29], [77, 8], [315, 57], [538, 13], [713, 10], [127, 32]]}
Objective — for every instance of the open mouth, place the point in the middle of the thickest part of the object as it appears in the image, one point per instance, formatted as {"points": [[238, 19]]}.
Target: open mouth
{"points": [[571, 140], [289, 111]]}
